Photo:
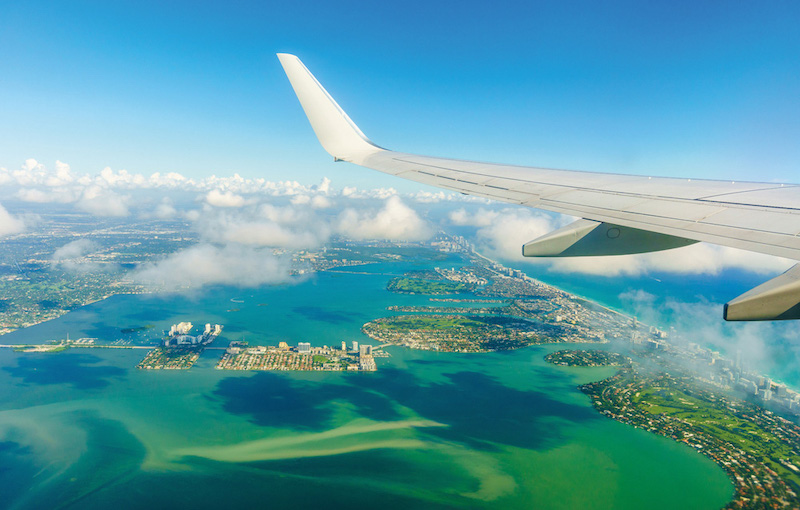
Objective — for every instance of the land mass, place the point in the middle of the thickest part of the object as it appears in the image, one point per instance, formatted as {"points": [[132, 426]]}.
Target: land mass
{"points": [[758, 449]]}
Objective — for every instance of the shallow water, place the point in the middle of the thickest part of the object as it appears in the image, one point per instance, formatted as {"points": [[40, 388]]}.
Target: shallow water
{"points": [[85, 429]]}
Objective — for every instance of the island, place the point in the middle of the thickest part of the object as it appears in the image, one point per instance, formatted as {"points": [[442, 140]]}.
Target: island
{"points": [[758, 449], [590, 358], [240, 356]]}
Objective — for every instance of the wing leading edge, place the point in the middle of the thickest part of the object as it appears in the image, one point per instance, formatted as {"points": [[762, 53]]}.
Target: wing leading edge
{"points": [[622, 213]]}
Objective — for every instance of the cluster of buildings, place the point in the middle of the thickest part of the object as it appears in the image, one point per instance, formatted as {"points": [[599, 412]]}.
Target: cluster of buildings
{"points": [[724, 372], [304, 356], [451, 244], [460, 276], [179, 335]]}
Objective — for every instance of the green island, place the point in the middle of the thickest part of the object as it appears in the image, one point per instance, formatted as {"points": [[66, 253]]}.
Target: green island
{"points": [[590, 358], [171, 358], [458, 333], [407, 285], [41, 348], [758, 449]]}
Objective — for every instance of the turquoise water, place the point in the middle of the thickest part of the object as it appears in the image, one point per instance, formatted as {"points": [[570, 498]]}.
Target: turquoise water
{"points": [[84, 429]]}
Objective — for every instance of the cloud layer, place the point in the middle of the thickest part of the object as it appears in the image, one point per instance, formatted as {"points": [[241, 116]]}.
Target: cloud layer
{"points": [[502, 232]]}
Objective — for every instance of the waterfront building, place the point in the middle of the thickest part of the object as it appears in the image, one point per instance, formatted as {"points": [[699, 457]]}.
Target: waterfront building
{"points": [[304, 347], [355, 346], [344, 346]]}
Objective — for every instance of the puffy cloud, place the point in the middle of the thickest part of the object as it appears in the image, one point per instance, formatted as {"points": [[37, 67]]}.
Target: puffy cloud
{"points": [[74, 250], [277, 227], [169, 180], [61, 177], [207, 264], [769, 347], [320, 202], [103, 202], [56, 195], [9, 224], [381, 193], [325, 186], [394, 221], [71, 257], [699, 258], [219, 198], [503, 232], [300, 199], [165, 209]]}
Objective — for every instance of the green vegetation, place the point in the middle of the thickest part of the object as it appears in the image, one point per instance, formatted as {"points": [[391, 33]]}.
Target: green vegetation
{"points": [[410, 322], [717, 421], [757, 448], [377, 253], [319, 359], [587, 358], [421, 286], [40, 348]]}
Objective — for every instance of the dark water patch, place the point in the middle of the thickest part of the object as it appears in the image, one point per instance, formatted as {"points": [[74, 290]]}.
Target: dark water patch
{"points": [[430, 362], [5, 304], [112, 455], [16, 472], [317, 313], [275, 400], [244, 487], [79, 370], [149, 310], [480, 410]]}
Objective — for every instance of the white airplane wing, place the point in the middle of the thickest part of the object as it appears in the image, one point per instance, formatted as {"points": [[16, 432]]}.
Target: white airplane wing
{"points": [[621, 214]]}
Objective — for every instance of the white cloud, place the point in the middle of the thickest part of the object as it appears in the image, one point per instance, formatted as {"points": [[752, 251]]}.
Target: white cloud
{"points": [[62, 176], [9, 224], [324, 186], [36, 195], [71, 257], [207, 264], [290, 227], [502, 234], [321, 202], [394, 221], [103, 202], [165, 210], [300, 199], [699, 258], [73, 250], [219, 198]]}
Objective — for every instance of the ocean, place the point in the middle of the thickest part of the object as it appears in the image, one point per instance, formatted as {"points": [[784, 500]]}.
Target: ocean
{"points": [[85, 429]]}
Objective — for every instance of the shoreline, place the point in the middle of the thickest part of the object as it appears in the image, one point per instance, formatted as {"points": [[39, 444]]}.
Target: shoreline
{"points": [[755, 484]]}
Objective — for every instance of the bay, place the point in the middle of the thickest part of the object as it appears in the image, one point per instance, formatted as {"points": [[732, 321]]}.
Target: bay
{"points": [[85, 429]]}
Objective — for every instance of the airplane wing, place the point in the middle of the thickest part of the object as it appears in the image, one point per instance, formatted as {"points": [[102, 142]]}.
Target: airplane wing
{"points": [[621, 214]]}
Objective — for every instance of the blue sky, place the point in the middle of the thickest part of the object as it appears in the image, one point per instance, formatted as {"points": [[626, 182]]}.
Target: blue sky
{"points": [[701, 89]]}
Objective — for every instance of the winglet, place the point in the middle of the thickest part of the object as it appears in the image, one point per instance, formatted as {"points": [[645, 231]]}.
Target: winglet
{"points": [[334, 129]]}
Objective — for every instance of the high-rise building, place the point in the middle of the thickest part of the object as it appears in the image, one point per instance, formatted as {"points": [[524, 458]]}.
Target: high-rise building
{"points": [[344, 346], [304, 347], [355, 346]]}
